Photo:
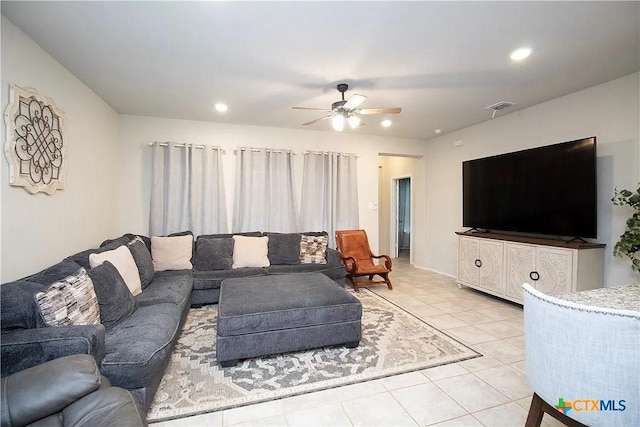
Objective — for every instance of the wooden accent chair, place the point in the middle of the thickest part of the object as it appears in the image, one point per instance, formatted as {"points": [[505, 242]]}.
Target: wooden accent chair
{"points": [[357, 257]]}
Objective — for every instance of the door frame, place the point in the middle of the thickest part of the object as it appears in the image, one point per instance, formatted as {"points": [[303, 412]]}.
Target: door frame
{"points": [[393, 215]]}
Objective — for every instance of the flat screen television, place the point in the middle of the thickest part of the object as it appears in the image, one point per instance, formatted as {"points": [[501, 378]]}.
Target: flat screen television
{"points": [[548, 190]]}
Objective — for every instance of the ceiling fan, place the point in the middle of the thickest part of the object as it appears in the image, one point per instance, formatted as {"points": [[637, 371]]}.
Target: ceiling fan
{"points": [[347, 110]]}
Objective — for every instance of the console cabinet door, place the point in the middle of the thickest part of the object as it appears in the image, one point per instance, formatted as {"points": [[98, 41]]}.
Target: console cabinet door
{"points": [[500, 266], [555, 266], [492, 270], [521, 261], [468, 254]]}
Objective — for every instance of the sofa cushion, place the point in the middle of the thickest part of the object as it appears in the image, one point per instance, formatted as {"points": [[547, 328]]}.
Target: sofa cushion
{"points": [[142, 258], [172, 252], [329, 270], [214, 253], [313, 249], [115, 299], [137, 347], [122, 259], [172, 286], [284, 248], [54, 273], [212, 279], [274, 303], [250, 252], [69, 301], [315, 233], [82, 257], [129, 237], [18, 309], [230, 235]]}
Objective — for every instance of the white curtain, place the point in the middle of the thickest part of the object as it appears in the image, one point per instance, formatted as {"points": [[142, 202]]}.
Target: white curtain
{"points": [[264, 197], [329, 199], [187, 190]]}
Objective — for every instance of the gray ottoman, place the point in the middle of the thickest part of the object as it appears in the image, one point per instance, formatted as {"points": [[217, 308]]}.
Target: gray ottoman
{"points": [[259, 316]]}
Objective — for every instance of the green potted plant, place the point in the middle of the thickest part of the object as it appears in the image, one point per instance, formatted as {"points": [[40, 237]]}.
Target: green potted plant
{"points": [[629, 243]]}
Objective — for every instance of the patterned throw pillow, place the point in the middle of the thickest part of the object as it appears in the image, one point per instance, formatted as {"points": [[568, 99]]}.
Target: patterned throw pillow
{"points": [[70, 301], [313, 249]]}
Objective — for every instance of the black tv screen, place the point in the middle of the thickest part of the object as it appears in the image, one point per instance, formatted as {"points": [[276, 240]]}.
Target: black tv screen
{"points": [[548, 190]]}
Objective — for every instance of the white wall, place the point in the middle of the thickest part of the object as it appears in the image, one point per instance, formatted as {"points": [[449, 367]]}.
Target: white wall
{"points": [[136, 132], [39, 230], [609, 111]]}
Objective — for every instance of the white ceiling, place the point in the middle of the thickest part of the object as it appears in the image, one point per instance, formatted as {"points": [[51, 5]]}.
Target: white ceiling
{"points": [[442, 62]]}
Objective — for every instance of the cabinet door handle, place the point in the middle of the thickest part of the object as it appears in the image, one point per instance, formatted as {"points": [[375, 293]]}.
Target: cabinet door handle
{"points": [[478, 263], [534, 275]]}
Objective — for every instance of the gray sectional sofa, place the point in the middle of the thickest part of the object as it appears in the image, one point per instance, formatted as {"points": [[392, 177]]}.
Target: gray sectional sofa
{"points": [[283, 257], [134, 352]]}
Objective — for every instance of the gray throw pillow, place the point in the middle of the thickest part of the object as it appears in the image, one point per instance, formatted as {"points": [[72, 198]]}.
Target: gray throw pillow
{"points": [[115, 299], [142, 258], [214, 254], [284, 249]]}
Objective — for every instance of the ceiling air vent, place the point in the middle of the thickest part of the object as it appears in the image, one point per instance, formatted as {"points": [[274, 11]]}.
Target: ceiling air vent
{"points": [[499, 106]]}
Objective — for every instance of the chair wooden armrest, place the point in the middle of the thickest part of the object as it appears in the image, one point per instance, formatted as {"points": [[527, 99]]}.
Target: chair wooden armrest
{"points": [[354, 264], [387, 260]]}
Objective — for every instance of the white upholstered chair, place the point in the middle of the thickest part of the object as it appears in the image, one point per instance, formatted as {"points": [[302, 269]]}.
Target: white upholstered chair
{"points": [[577, 352]]}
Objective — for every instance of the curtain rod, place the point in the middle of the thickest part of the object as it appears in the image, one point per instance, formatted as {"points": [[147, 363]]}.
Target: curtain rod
{"points": [[255, 150], [330, 152], [199, 147]]}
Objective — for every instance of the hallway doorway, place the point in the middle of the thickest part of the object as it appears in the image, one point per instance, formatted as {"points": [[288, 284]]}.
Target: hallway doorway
{"points": [[401, 217]]}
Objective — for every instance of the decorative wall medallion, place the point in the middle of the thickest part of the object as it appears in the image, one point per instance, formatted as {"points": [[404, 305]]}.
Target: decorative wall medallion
{"points": [[35, 147]]}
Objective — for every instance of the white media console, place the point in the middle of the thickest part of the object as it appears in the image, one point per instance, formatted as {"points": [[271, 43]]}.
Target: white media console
{"points": [[499, 264]]}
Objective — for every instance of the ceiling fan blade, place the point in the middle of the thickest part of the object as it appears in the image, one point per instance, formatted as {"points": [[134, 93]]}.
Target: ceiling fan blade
{"points": [[393, 110], [310, 108], [317, 120], [354, 102]]}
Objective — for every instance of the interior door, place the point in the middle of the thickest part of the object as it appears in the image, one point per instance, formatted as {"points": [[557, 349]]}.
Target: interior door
{"points": [[404, 215]]}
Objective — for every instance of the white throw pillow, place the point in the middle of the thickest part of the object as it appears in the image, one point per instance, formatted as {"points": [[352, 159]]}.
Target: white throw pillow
{"points": [[250, 251], [122, 260], [172, 253]]}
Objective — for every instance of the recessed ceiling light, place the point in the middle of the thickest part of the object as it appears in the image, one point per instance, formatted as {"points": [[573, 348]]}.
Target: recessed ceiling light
{"points": [[520, 54], [438, 131], [385, 123], [220, 107]]}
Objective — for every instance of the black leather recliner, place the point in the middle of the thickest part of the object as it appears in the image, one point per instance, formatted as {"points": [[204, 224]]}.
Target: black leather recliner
{"points": [[68, 391]]}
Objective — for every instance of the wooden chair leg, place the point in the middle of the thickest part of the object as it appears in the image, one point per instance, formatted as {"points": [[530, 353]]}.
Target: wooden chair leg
{"points": [[539, 407], [353, 282], [535, 412], [386, 279]]}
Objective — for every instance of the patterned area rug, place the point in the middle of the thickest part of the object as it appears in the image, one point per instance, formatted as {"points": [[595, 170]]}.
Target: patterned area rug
{"points": [[393, 342]]}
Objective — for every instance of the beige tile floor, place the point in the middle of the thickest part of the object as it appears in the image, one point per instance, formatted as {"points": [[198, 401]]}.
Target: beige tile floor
{"points": [[488, 391]]}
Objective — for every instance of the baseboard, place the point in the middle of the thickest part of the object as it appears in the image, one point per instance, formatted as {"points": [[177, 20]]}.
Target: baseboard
{"points": [[434, 271]]}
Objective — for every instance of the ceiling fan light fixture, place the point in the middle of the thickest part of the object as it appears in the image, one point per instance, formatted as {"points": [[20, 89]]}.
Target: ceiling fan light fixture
{"points": [[354, 121], [338, 122], [520, 54], [220, 107], [385, 123]]}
